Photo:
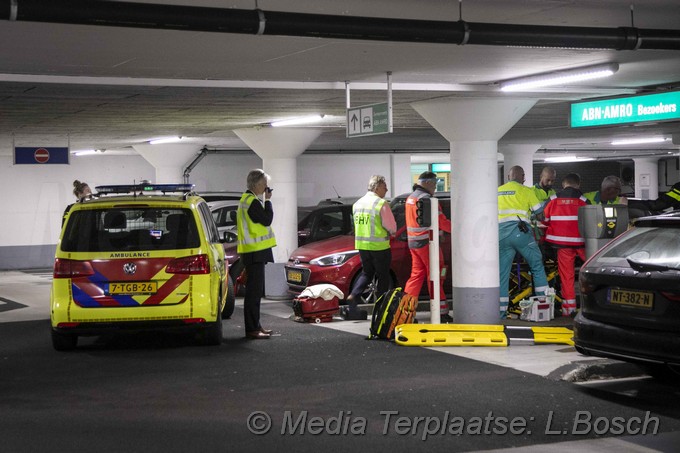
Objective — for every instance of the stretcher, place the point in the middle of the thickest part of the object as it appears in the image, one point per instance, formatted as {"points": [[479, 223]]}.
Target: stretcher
{"points": [[479, 335]]}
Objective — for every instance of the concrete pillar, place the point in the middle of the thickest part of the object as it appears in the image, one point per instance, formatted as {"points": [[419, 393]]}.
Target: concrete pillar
{"points": [[279, 148], [522, 155], [169, 160], [647, 178], [399, 179], [473, 127]]}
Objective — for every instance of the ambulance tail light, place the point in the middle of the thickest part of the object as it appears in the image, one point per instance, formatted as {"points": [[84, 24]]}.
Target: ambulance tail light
{"points": [[64, 268], [196, 264]]}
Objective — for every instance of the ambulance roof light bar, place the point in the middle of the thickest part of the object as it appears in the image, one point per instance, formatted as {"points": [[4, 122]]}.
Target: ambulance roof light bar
{"points": [[143, 188]]}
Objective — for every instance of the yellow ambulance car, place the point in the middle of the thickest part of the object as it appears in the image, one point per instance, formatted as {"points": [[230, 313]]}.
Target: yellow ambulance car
{"points": [[140, 257]]}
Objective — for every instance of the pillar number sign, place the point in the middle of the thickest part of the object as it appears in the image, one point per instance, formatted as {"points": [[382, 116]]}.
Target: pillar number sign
{"points": [[631, 109]]}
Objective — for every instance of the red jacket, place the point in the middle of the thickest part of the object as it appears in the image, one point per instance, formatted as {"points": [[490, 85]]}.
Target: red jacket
{"points": [[561, 217], [419, 237]]}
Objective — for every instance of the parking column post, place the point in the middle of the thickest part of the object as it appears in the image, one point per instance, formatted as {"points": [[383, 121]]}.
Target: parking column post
{"points": [[435, 311]]}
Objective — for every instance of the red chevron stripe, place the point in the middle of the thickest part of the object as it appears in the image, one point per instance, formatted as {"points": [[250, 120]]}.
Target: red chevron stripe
{"points": [[164, 291]]}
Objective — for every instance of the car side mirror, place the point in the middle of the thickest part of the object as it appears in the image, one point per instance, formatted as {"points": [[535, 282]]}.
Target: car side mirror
{"points": [[229, 237]]}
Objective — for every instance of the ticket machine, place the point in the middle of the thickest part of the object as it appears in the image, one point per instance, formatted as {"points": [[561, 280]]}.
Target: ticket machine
{"points": [[599, 224]]}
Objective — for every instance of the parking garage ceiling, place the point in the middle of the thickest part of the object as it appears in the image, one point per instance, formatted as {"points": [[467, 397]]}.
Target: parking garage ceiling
{"points": [[99, 83]]}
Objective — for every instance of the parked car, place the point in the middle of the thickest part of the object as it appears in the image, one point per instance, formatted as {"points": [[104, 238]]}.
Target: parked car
{"points": [[139, 258], [338, 200], [336, 261], [630, 296], [221, 195], [324, 221], [224, 214]]}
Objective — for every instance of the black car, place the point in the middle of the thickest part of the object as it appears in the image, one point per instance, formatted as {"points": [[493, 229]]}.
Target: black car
{"points": [[630, 296]]}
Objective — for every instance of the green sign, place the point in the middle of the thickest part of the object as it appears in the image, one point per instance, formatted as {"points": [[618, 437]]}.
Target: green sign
{"points": [[367, 120], [441, 168], [632, 109]]}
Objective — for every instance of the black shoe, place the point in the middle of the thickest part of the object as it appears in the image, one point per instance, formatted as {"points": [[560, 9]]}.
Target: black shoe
{"points": [[355, 315], [446, 319]]}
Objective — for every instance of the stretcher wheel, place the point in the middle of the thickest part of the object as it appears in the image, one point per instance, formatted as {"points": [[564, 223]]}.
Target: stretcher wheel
{"points": [[317, 320]]}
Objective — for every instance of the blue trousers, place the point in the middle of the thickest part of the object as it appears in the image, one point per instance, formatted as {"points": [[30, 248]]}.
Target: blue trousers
{"points": [[511, 242]]}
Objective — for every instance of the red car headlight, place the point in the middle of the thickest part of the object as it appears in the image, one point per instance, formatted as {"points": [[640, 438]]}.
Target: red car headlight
{"points": [[335, 259]]}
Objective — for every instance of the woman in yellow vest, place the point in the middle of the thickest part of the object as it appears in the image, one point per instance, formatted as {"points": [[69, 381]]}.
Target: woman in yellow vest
{"points": [[255, 241]]}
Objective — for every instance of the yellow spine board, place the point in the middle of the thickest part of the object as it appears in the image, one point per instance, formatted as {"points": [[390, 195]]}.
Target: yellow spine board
{"points": [[475, 335]]}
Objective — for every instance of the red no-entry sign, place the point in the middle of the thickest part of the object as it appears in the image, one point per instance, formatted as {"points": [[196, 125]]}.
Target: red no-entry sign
{"points": [[38, 155], [41, 155]]}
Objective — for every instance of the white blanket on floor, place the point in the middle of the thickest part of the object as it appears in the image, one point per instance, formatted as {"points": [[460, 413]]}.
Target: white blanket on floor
{"points": [[326, 291]]}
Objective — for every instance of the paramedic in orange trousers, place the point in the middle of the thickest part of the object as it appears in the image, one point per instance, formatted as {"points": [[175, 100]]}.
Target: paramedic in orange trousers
{"points": [[561, 218], [419, 243]]}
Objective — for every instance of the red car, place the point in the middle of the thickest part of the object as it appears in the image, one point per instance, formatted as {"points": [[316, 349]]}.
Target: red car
{"points": [[336, 261]]}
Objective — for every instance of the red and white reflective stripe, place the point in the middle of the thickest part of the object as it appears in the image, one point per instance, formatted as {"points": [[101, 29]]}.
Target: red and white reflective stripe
{"points": [[552, 237]]}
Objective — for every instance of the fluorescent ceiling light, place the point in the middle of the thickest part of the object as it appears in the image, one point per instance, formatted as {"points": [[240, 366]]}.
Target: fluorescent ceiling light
{"points": [[299, 120], [158, 141], [560, 77], [84, 152], [639, 141], [564, 159]]}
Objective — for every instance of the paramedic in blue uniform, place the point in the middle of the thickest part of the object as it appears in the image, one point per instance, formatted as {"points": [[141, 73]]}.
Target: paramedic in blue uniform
{"points": [[254, 217]]}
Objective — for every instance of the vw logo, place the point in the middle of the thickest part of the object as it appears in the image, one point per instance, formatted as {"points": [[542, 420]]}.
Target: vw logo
{"points": [[297, 261], [129, 268]]}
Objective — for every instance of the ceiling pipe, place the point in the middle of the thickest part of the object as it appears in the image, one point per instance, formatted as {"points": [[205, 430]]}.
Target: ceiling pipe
{"points": [[258, 22]]}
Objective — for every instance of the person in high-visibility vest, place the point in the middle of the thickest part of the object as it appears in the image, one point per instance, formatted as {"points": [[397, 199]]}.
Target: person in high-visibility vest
{"points": [[609, 193], [561, 218], [543, 190], [254, 217], [419, 243], [516, 204], [670, 199], [544, 187], [374, 223]]}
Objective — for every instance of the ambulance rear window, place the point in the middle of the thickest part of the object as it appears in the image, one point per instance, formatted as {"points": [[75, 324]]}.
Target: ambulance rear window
{"points": [[130, 229]]}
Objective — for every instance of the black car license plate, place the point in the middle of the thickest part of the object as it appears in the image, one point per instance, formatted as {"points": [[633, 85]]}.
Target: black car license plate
{"points": [[639, 299]]}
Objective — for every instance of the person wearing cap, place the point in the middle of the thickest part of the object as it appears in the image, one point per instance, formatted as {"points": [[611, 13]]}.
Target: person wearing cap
{"points": [[419, 243], [609, 193]]}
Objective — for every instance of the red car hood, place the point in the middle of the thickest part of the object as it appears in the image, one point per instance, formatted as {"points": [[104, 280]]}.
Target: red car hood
{"points": [[321, 248]]}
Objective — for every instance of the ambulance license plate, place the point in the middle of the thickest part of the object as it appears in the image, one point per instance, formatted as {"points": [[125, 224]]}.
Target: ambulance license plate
{"points": [[133, 288]]}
